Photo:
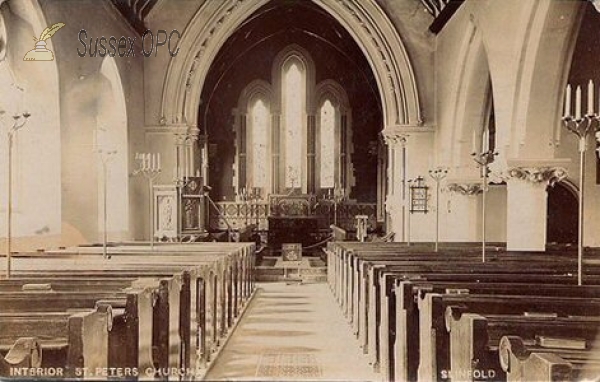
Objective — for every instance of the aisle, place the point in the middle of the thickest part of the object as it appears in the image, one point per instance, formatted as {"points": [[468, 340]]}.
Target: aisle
{"points": [[292, 332]]}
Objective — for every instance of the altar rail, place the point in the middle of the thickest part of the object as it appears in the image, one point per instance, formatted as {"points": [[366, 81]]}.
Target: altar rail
{"points": [[242, 214]]}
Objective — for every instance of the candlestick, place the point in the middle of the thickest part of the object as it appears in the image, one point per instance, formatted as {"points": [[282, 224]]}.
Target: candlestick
{"points": [[578, 103], [582, 127]]}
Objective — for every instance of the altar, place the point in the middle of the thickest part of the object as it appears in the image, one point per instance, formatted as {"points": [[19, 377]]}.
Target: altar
{"points": [[292, 229]]}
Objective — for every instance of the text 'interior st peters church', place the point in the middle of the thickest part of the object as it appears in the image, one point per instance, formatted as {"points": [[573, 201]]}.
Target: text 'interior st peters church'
{"points": [[317, 190]]}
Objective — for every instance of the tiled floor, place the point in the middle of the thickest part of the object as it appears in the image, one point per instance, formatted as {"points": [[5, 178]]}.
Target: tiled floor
{"points": [[292, 332]]}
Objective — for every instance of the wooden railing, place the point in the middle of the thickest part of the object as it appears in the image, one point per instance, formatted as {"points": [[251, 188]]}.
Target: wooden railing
{"points": [[242, 214]]}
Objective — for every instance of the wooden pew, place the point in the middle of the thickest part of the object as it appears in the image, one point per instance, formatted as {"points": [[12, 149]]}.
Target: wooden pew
{"points": [[432, 313], [404, 314], [475, 341], [174, 281], [370, 315], [236, 290], [202, 268], [380, 300], [132, 340], [63, 341], [526, 360], [349, 291], [420, 257], [25, 353]]}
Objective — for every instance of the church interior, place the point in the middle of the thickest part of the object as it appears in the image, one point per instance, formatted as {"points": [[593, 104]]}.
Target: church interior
{"points": [[381, 190]]}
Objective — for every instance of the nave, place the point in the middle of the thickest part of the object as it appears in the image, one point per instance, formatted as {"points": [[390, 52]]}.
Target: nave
{"points": [[388, 312], [292, 331]]}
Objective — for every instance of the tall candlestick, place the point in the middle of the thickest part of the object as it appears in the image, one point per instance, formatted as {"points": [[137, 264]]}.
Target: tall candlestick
{"points": [[578, 103], [568, 102], [590, 99]]}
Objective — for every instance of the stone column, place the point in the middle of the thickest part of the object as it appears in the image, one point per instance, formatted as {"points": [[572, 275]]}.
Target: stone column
{"points": [[527, 205], [395, 205]]}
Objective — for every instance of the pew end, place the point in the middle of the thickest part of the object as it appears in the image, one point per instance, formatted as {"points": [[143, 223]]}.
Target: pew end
{"points": [[26, 352], [520, 364]]}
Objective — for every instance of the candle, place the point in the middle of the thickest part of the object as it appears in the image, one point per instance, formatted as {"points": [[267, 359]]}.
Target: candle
{"points": [[474, 142], [197, 173], [590, 99], [568, 102], [158, 161], [578, 103], [485, 137]]}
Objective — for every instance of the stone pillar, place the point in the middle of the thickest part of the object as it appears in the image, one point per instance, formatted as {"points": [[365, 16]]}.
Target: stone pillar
{"points": [[528, 206], [186, 149], [395, 200]]}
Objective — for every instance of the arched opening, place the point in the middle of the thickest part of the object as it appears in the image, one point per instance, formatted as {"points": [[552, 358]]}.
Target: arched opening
{"points": [[561, 220], [35, 172], [112, 152], [301, 58], [293, 75], [336, 56]]}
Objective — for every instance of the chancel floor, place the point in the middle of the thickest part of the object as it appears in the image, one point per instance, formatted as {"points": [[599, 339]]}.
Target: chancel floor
{"points": [[292, 332]]}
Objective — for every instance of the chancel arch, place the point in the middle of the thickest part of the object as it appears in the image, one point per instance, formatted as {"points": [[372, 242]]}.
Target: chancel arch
{"points": [[363, 19], [299, 71]]}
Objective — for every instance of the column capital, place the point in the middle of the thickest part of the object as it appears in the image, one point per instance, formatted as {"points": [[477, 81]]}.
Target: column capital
{"points": [[465, 188], [394, 139], [542, 174], [398, 134]]}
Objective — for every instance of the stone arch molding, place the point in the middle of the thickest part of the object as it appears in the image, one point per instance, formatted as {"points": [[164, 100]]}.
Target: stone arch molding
{"points": [[366, 22]]}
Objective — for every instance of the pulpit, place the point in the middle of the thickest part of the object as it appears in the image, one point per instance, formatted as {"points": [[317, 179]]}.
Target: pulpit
{"points": [[179, 210]]}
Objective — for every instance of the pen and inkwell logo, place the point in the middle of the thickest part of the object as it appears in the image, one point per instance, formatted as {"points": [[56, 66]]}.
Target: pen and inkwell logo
{"points": [[41, 52]]}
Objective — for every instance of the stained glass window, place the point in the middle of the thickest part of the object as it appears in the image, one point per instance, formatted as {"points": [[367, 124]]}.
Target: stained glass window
{"points": [[259, 116], [294, 90], [327, 122]]}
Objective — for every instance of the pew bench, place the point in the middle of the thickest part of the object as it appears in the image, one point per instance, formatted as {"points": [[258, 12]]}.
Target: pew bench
{"points": [[475, 341], [434, 341], [525, 360], [229, 284], [65, 342], [403, 322]]}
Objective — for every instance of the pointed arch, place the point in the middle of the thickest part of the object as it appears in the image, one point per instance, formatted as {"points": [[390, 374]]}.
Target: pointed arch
{"points": [[250, 172], [342, 149], [33, 224], [215, 21]]}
